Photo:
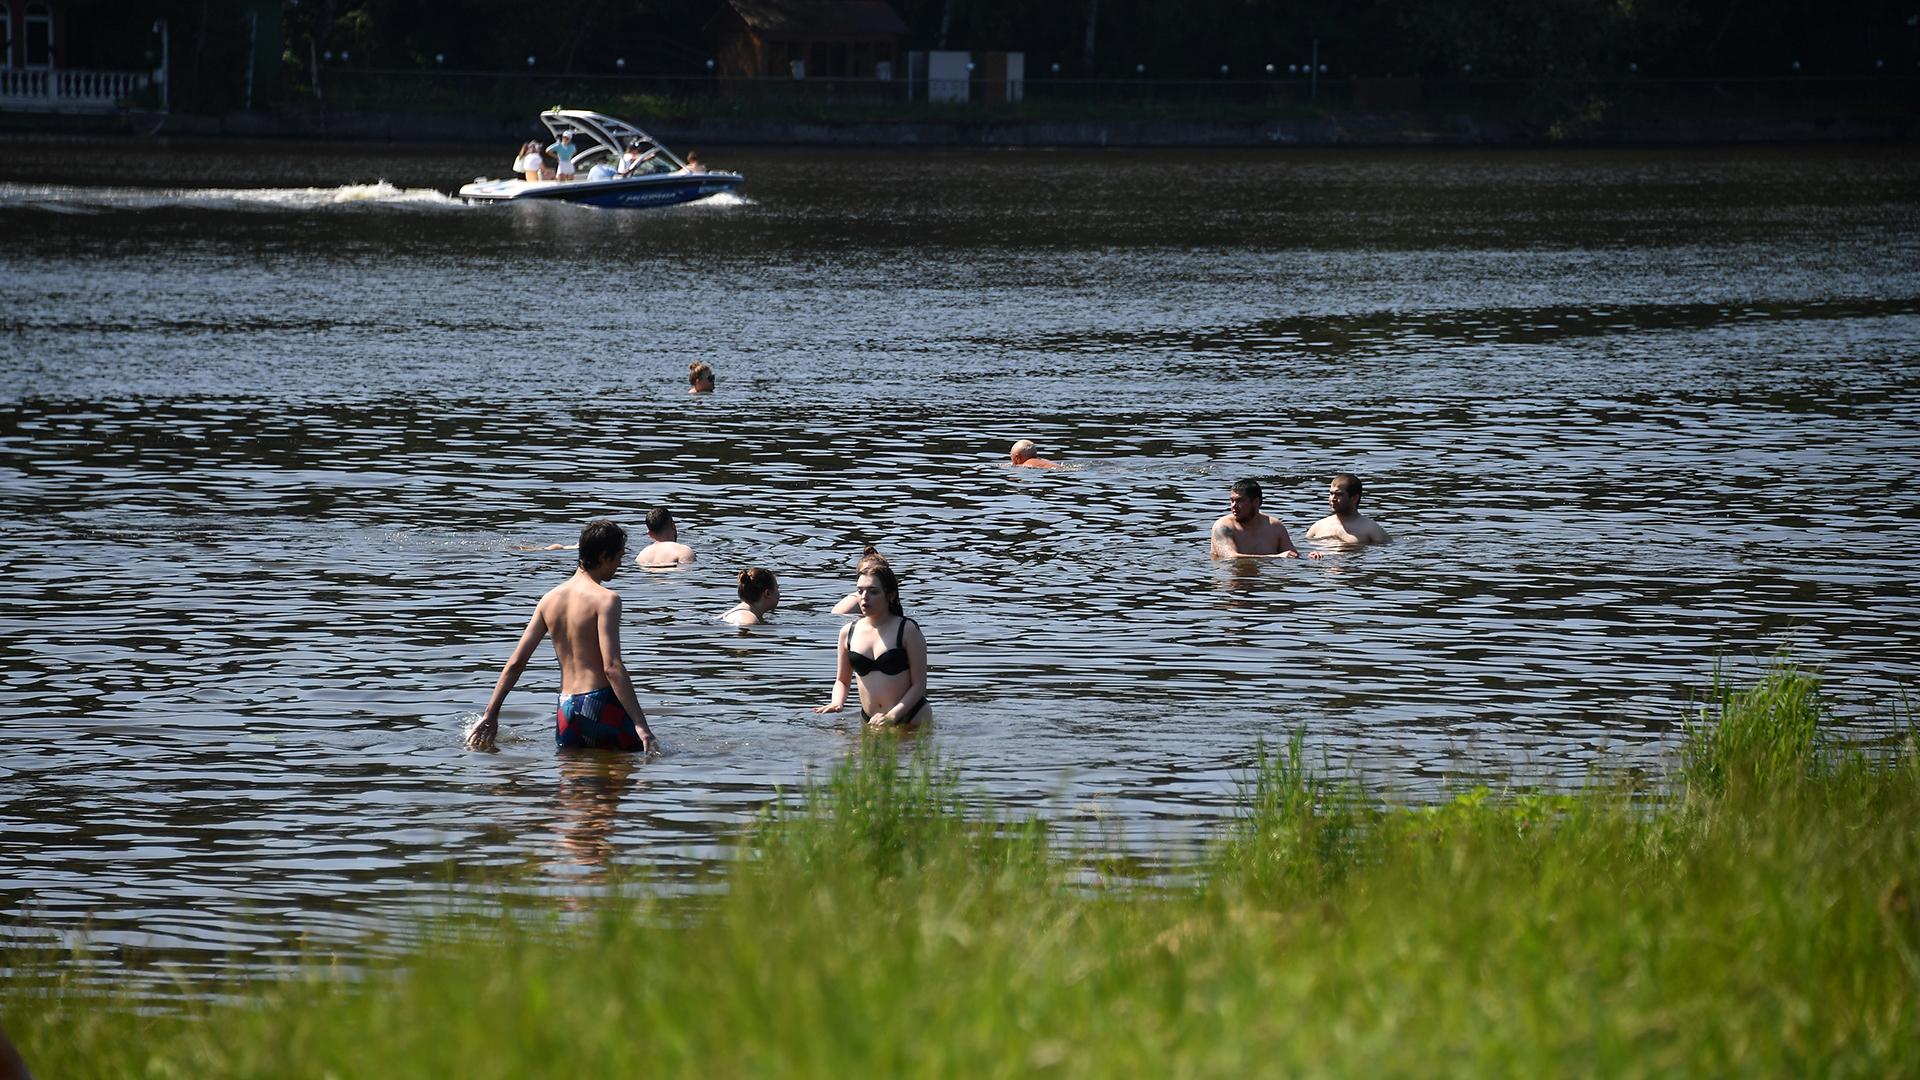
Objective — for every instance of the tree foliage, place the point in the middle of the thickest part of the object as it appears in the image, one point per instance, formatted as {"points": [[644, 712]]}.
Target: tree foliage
{"points": [[1440, 39]]}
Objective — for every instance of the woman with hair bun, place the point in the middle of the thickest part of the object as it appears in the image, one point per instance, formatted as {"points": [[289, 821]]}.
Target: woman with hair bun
{"points": [[884, 652], [700, 376], [759, 595], [850, 603]]}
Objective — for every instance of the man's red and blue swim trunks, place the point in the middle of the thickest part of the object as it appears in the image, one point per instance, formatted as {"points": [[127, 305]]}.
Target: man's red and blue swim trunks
{"points": [[594, 720]]}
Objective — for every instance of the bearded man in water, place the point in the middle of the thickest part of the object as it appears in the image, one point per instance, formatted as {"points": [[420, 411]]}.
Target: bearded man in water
{"points": [[1244, 530]]}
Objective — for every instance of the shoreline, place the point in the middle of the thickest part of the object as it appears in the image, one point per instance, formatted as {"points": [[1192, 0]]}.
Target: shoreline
{"points": [[1354, 130]]}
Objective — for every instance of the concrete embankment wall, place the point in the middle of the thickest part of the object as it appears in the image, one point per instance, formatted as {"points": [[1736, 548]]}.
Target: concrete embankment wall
{"points": [[1331, 130]]}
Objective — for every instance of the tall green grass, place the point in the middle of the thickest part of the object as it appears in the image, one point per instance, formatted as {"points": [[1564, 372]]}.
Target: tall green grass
{"points": [[885, 923], [1760, 736]]}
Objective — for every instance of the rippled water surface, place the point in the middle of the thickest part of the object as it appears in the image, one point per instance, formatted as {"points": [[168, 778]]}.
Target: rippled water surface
{"points": [[277, 419]]}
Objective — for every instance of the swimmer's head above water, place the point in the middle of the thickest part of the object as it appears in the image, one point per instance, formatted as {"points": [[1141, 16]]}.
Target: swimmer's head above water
{"points": [[757, 586], [700, 377], [1244, 500], [600, 541], [1343, 493], [1021, 451], [660, 524], [878, 589]]}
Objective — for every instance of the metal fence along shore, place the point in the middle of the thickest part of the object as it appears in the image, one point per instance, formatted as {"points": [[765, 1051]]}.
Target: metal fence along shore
{"points": [[516, 93]]}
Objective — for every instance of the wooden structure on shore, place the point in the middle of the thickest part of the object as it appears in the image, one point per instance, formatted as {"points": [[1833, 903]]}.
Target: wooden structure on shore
{"points": [[809, 39]]}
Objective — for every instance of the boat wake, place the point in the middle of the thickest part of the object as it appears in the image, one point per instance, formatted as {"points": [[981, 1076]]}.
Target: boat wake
{"points": [[98, 200], [719, 202]]}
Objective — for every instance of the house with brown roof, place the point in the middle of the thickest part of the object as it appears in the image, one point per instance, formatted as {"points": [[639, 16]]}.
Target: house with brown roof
{"points": [[811, 39]]}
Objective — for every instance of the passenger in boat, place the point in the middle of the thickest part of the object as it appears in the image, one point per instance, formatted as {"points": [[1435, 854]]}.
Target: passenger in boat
{"points": [[1244, 530], [1022, 456], [694, 164], [850, 604], [1346, 524], [597, 704], [639, 153], [892, 677], [759, 595], [530, 163], [666, 548], [562, 151], [700, 377]]}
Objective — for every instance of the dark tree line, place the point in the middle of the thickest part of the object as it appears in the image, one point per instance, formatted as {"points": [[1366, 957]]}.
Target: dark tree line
{"points": [[1525, 39], [1521, 38]]}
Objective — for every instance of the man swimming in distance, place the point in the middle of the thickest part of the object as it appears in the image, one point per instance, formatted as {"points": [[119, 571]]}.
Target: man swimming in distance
{"points": [[597, 705], [1346, 524], [1022, 455], [1244, 530], [666, 548]]}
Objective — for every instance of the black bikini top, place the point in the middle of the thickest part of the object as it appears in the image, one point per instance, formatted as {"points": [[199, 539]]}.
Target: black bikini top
{"points": [[891, 662]]}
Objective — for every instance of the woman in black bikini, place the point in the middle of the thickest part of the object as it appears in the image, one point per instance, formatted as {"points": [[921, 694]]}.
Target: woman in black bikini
{"points": [[885, 651]]}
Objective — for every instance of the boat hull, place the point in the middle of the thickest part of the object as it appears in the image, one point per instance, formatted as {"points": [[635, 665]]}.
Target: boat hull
{"points": [[634, 193]]}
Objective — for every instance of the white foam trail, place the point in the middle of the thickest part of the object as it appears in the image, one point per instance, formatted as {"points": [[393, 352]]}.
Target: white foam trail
{"points": [[84, 200], [724, 199]]}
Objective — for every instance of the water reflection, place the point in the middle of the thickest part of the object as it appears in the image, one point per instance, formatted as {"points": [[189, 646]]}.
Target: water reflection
{"points": [[587, 801]]}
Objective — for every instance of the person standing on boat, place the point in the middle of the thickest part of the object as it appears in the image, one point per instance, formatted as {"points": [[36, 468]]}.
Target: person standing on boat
{"points": [[597, 704], [562, 152], [530, 163]]}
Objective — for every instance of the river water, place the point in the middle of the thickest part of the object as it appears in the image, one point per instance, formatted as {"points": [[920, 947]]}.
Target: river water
{"points": [[277, 419]]}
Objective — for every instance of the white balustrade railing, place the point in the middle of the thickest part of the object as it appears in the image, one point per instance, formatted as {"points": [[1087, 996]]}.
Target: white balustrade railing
{"points": [[69, 90]]}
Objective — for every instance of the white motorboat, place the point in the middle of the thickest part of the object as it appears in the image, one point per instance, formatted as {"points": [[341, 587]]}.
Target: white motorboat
{"points": [[599, 141]]}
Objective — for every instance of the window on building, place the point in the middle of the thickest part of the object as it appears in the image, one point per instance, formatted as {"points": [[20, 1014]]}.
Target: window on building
{"points": [[39, 36], [6, 36]]}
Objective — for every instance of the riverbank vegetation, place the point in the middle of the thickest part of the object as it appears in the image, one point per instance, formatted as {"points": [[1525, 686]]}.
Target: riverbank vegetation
{"points": [[1563, 57], [1757, 912]]}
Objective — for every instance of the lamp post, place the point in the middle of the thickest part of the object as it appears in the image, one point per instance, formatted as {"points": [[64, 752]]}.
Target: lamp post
{"points": [[166, 92]]}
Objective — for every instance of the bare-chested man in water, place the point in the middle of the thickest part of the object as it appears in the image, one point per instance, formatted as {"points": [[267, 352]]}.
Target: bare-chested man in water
{"points": [[597, 706], [1346, 524], [666, 549], [1023, 455], [1244, 530]]}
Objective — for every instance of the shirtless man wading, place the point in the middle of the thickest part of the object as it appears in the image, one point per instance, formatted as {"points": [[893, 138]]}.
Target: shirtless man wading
{"points": [[666, 549], [597, 706], [1244, 530], [1346, 524]]}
